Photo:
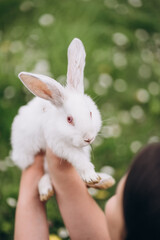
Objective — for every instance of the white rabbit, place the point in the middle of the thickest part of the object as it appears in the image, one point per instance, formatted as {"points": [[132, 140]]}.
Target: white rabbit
{"points": [[64, 118]]}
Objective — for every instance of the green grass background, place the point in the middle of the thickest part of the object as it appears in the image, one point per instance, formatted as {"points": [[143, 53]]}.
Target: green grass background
{"points": [[122, 41]]}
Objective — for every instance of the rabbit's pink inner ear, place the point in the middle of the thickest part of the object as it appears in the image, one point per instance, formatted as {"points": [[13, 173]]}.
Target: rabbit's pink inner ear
{"points": [[36, 86]]}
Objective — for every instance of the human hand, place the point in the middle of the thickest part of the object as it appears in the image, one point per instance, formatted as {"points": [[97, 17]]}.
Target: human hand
{"points": [[62, 168], [56, 164], [64, 176]]}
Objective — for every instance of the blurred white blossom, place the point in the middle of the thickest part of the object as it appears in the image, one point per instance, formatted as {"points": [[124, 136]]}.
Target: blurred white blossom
{"points": [[122, 8], [92, 191], [63, 232], [12, 202], [135, 3], [108, 170], [135, 146], [120, 85], [142, 95], [46, 19], [98, 89], [111, 120], [154, 88], [97, 142], [111, 3], [137, 112], [3, 166], [153, 139], [16, 46], [156, 38], [9, 92], [105, 80], [125, 117], [120, 39], [111, 131], [142, 35], [147, 56], [145, 71], [119, 60], [26, 6], [42, 67]]}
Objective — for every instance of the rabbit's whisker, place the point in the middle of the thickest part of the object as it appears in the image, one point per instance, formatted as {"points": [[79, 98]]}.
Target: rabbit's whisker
{"points": [[92, 153]]}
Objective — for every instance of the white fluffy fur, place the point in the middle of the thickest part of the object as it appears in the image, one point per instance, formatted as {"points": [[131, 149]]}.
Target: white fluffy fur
{"points": [[43, 121]]}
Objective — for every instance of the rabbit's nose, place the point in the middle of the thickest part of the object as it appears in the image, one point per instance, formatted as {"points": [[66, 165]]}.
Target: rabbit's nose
{"points": [[89, 140]]}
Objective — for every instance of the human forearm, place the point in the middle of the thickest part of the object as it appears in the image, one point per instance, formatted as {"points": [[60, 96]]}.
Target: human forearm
{"points": [[30, 221], [82, 216]]}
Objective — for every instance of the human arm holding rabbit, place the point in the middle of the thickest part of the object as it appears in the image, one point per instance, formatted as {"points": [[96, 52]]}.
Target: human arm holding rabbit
{"points": [[30, 221], [82, 216]]}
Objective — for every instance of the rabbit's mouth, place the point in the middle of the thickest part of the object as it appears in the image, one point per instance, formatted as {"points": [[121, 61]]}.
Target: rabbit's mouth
{"points": [[82, 142], [89, 140]]}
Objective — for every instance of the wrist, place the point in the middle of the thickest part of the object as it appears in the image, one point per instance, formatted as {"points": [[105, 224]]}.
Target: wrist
{"points": [[30, 204], [28, 192], [28, 199]]}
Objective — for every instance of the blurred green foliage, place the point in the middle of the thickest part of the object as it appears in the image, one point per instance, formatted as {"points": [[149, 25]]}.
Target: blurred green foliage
{"points": [[122, 74]]}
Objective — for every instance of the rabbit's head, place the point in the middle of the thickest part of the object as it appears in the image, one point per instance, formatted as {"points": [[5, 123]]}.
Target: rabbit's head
{"points": [[79, 119]]}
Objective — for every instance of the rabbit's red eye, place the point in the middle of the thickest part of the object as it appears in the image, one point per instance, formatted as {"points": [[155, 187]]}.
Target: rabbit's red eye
{"points": [[91, 114], [70, 119]]}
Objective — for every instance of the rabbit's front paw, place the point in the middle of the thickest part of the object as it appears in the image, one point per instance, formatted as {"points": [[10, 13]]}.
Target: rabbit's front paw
{"points": [[90, 176], [45, 188]]}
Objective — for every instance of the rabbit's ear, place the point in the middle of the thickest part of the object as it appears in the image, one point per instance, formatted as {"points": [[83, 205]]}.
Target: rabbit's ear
{"points": [[43, 86], [76, 63]]}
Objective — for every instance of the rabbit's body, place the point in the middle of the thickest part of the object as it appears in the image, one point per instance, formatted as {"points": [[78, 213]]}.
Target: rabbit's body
{"points": [[62, 118], [45, 125], [27, 137]]}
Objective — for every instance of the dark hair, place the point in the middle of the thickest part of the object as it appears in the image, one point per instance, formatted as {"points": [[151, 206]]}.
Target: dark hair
{"points": [[141, 198]]}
